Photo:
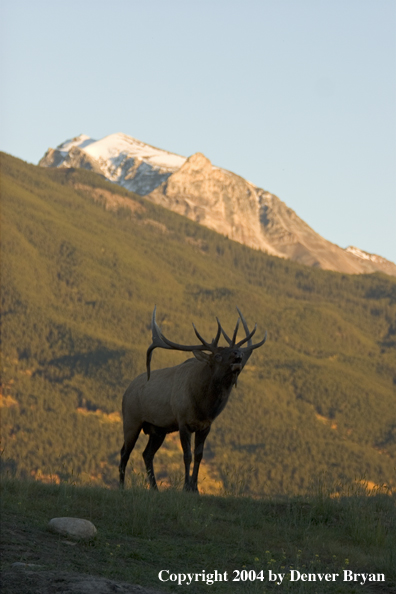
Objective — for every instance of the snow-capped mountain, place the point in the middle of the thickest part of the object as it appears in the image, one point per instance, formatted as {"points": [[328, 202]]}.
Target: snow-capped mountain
{"points": [[120, 158], [214, 197]]}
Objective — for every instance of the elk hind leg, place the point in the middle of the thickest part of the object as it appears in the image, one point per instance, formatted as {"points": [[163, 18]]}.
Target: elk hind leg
{"points": [[200, 437], [154, 443], [130, 439]]}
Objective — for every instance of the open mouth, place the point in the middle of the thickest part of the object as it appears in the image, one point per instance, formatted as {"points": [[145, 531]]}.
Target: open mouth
{"points": [[236, 367]]}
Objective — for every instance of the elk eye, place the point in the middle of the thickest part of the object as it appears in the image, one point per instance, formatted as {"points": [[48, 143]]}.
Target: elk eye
{"points": [[218, 358]]}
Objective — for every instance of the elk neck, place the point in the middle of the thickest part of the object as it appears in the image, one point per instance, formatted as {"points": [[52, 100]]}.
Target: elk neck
{"points": [[215, 389]]}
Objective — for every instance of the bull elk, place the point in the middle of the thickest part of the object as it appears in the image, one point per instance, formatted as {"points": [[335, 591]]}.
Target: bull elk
{"points": [[185, 398]]}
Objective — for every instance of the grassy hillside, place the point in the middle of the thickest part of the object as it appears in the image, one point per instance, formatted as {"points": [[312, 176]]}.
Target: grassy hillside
{"points": [[79, 284], [141, 532]]}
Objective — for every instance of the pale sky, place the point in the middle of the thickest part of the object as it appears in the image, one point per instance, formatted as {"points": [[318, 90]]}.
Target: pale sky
{"points": [[298, 97]]}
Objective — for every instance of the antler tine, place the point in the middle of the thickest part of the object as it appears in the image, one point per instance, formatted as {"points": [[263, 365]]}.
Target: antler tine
{"points": [[228, 339], [259, 344], [249, 335], [244, 324], [157, 341], [206, 344], [215, 341], [235, 333], [247, 338], [148, 360]]}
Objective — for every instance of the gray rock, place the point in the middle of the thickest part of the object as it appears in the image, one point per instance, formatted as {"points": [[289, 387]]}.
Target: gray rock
{"points": [[76, 528]]}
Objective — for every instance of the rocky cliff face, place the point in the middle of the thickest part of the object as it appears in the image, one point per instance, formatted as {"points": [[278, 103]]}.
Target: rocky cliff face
{"points": [[234, 207], [214, 197], [217, 199]]}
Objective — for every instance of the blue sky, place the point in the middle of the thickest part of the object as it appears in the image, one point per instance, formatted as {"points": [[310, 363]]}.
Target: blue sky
{"points": [[298, 97]]}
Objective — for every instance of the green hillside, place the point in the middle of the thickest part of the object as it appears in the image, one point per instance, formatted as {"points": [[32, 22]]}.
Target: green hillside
{"points": [[79, 282]]}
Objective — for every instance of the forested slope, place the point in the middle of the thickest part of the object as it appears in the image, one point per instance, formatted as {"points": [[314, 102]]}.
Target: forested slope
{"points": [[79, 283]]}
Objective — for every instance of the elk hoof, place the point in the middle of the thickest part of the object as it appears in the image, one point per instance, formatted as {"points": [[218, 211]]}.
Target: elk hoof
{"points": [[191, 488]]}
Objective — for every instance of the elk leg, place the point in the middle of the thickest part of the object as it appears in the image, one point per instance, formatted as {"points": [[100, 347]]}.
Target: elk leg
{"points": [[200, 437], [154, 443], [129, 444], [185, 440]]}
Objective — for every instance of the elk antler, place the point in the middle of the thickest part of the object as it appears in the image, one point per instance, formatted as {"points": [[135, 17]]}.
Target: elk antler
{"points": [[248, 337], [159, 340]]}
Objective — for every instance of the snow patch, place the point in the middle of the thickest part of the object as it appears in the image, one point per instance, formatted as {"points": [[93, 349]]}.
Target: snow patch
{"points": [[363, 255], [112, 147], [82, 141]]}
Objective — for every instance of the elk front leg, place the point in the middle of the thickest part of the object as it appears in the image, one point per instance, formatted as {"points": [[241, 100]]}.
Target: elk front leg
{"points": [[200, 437], [185, 440]]}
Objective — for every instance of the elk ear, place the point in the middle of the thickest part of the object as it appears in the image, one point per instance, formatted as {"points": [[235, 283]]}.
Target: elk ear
{"points": [[203, 357]]}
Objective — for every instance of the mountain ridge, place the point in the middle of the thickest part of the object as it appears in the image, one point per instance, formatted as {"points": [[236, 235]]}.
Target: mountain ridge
{"points": [[216, 198]]}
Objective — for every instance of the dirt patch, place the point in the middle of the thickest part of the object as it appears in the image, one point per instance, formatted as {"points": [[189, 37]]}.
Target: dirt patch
{"points": [[110, 200]]}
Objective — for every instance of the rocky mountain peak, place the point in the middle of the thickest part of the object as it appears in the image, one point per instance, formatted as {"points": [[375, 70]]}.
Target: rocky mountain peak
{"points": [[197, 162], [214, 197]]}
